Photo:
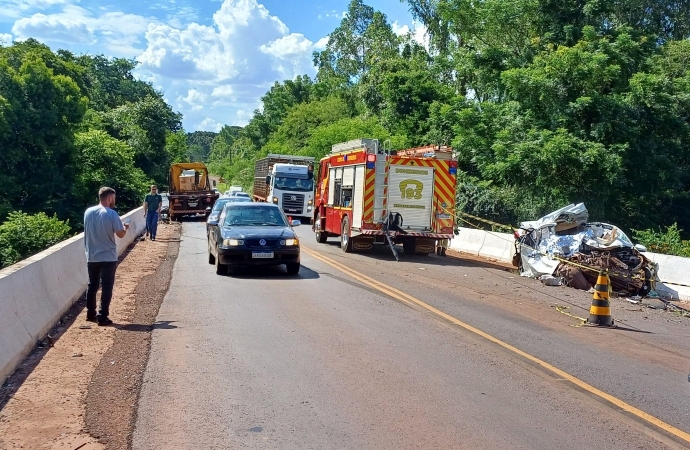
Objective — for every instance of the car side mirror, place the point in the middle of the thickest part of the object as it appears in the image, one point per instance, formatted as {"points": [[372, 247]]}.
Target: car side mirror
{"points": [[640, 248], [268, 179], [295, 222]]}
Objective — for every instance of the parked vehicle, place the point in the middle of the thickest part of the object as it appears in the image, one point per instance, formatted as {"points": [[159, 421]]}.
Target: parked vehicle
{"points": [[365, 196], [218, 208], [240, 195], [287, 181], [233, 189], [253, 234], [190, 190]]}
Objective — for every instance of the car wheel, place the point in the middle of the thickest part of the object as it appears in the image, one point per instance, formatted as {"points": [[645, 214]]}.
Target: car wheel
{"points": [[321, 237], [211, 258], [292, 268], [345, 241], [221, 269]]}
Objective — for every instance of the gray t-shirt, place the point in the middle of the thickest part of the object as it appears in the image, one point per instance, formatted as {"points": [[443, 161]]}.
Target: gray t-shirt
{"points": [[100, 225]]}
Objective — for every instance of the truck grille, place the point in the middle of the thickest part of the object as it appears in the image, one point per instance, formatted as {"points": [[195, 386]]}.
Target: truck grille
{"points": [[291, 206]]}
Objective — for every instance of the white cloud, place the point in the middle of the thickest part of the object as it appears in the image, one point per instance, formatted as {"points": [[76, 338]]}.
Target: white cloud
{"points": [[418, 33], [232, 61], [14, 9], [120, 33], [5, 39], [209, 124]]}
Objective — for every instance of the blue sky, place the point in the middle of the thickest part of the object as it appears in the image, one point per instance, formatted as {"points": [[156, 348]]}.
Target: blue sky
{"points": [[213, 59]]}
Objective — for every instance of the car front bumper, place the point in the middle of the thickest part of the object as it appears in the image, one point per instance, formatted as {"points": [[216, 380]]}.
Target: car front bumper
{"points": [[243, 256]]}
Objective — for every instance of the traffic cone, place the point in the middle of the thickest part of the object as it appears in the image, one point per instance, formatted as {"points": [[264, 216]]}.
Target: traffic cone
{"points": [[600, 311]]}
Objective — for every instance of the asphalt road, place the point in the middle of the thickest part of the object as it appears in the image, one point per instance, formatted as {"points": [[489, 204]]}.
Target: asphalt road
{"points": [[258, 359]]}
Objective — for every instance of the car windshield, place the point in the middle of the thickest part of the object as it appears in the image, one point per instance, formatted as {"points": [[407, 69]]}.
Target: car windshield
{"points": [[239, 216], [242, 194], [219, 204], [294, 184]]}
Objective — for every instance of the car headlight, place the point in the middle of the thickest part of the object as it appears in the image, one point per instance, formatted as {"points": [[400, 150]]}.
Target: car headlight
{"points": [[232, 242], [289, 242], [275, 199]]}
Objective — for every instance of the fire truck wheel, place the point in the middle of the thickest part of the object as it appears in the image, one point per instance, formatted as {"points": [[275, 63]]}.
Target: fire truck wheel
{"points": [[345, 241], [321, 236]]}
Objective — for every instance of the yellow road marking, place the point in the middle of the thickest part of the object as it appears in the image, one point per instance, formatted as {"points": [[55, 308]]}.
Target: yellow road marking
{"points": [[397, 294]]}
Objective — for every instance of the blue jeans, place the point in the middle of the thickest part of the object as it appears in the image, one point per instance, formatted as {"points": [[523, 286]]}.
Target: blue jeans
{"points": [[152, 223]]}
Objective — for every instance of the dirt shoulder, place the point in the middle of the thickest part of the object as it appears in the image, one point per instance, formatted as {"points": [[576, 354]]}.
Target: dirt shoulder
{"points": [[81, 391]]}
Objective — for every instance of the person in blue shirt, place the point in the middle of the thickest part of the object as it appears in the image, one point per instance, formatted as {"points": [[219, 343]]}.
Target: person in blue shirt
{"points": [[152, 208], [101, 225]]}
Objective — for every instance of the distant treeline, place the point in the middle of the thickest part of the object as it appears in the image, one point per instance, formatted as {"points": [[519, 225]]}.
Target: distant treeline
{"points": [[546, 103]]}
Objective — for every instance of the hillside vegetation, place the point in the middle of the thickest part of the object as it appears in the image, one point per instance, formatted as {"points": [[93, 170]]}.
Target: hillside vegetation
{"points": [[546, 102]]}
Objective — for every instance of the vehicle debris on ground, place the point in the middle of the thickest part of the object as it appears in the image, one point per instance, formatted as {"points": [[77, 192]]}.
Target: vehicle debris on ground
{"points": [[564, 244]]}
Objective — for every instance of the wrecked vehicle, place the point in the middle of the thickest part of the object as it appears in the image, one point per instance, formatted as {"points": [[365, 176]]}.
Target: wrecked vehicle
{"points": [[563, 244]]}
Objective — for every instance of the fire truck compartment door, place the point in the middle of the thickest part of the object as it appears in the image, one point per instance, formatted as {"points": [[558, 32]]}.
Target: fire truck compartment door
{"points": [[358, 200], [348, 176], [410, 193], [331, 187]]}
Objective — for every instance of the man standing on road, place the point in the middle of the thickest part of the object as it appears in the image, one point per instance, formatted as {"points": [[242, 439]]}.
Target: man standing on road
{"points": [[152, 208], [101, 225]]}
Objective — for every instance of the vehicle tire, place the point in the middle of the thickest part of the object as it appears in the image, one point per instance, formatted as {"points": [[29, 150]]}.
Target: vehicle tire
{"points": [[408, 246], [647, 287], [211, 258], [292, 268], [345, 240], [221, 269], [321, 236]]}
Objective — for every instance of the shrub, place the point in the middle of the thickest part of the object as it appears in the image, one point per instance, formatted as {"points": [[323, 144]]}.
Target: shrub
{"points": [[668, 242], [23, 235]]}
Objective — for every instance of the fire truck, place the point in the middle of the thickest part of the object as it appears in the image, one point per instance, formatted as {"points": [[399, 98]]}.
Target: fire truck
{"points": [[366, 195]]}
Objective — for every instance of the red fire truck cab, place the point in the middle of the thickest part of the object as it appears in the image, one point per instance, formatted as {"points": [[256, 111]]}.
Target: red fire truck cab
{"points": [[364, 193]]}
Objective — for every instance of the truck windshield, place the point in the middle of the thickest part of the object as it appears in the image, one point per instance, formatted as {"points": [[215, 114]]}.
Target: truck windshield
{"points": [[294, 184]]}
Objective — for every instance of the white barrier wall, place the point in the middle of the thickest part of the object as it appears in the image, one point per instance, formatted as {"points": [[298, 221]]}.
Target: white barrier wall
{"points": [[674, 271], [37, 291], [496, 246]]}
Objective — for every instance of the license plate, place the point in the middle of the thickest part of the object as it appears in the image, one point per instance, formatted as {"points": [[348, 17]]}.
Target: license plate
{"points": [[262, 255], [192, 205]]}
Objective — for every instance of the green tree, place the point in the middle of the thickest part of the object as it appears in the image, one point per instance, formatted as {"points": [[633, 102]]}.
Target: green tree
{"points": [[23, 235], [40, 112], [106, 161], [144, 125], [200, 145]]}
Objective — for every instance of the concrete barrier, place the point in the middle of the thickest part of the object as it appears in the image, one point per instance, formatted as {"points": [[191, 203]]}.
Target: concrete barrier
{"points": [[674, 273], [37, 291], [496, 246]]}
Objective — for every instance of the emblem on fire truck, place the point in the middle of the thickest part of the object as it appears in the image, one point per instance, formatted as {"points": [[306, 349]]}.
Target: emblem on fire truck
{"points": [[411, 189]]}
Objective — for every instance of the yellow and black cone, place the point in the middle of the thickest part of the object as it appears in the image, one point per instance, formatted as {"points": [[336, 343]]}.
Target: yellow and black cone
{"points": [[600, 311]]}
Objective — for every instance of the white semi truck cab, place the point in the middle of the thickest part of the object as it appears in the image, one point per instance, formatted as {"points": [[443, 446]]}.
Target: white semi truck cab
{"points": [[292, 188], [287, 181]]}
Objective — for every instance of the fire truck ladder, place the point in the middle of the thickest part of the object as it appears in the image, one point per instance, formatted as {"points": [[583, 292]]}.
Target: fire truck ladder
{"points": [[381, 193]]}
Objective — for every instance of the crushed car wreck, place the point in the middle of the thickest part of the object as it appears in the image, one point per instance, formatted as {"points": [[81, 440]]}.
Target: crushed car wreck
{"points": [[564, 244]]}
